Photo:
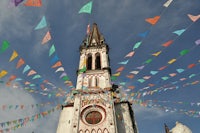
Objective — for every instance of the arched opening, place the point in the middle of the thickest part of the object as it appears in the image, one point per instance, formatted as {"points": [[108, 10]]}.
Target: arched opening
{"points": [[89, 62], [97, 61], [96, 81]]}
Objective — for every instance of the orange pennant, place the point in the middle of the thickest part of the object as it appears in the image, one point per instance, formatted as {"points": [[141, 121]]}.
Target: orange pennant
{"points": [[37, 3], [31, 72], [131, 87], [12, 77], [130, 76], [46, 38], [57, 64], [193, 18], [120, 69], [20, 63], [167, 43], [191, 65], [162, 68], [153, 20]]}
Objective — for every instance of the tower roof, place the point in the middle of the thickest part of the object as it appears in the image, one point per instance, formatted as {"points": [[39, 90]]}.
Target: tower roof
{"points": [[94, 37]]}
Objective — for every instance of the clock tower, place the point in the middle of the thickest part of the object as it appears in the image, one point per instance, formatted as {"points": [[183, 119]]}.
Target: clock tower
{"points": [[95, 106]]}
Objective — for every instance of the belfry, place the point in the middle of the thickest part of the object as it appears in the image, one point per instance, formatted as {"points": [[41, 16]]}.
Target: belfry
{"points": [[96, 106]]}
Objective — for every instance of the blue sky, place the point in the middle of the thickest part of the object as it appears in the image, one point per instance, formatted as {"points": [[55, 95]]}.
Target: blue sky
{"points": [[120, 22]]}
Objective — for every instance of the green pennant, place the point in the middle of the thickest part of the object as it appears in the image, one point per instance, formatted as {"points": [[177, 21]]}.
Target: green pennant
{"points": [[184, 52], [87, 8], [5, 45]]}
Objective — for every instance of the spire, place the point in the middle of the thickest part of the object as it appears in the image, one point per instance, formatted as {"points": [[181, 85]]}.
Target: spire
{"points": [[94, 37], [166, 129]]}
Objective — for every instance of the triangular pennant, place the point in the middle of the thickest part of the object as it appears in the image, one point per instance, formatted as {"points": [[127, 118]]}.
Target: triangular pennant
{"points": [[193, 18], [46, 38], [197, 42], [26, 68], [17, 2], [31, 72], [5, 45], [52, 50], [134, 72], [184, 52], [54, 59], [180, 70], [165, 78], [146, 77], [192, 75], [153, 72], [57, 64], [141, 80], [157, 53], [137, 45], [153, 20], [140, 67], [13, 56], [36, 76], [171, 61], [41, 24], [63, 74], [20, 63], [65, 78], [166, 4], [60, 69], [168, 43], [12, 77], [162, 68], [36, 3], [116, 74], [3, 73], [87, 8], [144, 34], [172, 74], [130, 54], [124, 62], [179, 32], [191, 66], [120, 69], [148, 61], [130, 76]]}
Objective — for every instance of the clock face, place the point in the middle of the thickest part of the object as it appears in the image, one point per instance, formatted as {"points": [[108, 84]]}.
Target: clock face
{"points": [[93, 115]]}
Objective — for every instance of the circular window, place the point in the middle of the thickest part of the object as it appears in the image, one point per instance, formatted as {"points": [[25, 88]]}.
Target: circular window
{"points": [[93, 117]]}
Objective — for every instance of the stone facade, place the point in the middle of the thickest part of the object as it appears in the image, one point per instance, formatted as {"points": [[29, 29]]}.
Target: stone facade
{"points": [[95, 107]]}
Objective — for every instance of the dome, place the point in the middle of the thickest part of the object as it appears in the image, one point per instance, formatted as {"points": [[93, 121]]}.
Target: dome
{"points": [[180, 128]]}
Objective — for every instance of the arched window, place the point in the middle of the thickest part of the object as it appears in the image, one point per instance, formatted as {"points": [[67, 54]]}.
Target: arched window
{"points": [[89, 62], [90, 82], [96, 82], [97, 61]]}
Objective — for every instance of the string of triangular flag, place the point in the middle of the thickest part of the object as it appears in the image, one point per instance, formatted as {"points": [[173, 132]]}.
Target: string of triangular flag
{"points": [[27, 70], [6, 107], [157, 53], [151, 21], [15, 124], [55, 61]]}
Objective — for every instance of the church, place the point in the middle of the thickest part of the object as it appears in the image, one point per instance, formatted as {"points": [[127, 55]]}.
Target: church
{"points": [[96, 106]]}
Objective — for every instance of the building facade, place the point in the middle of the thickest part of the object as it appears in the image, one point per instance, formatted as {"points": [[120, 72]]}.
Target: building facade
{"points": [[96, 106]]}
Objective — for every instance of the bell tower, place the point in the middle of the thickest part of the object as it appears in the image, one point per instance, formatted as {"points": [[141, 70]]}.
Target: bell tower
{"points": [[95, 107]]}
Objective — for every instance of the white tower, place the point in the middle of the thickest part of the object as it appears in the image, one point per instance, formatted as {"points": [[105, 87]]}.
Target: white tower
{"points": [[95, 108]]}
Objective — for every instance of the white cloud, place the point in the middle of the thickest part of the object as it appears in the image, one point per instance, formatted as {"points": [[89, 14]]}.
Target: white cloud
{"points": [[144, 113]]}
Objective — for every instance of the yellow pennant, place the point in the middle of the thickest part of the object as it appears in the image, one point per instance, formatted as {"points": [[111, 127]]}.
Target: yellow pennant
{"points": [[3, 73], [14, 55]]}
